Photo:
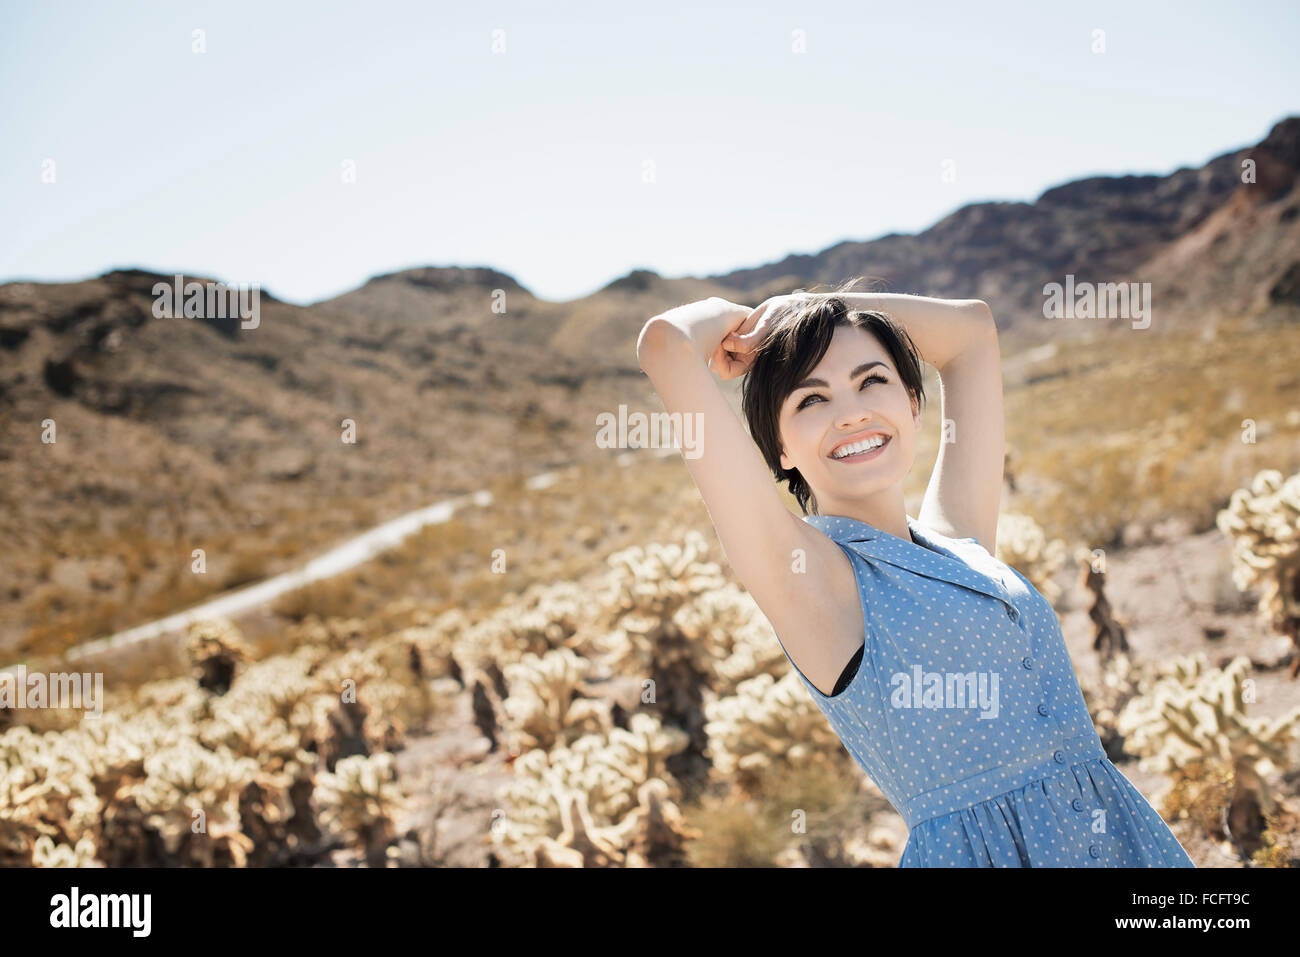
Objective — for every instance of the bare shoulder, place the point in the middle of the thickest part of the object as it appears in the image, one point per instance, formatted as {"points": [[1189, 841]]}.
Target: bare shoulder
{"points": [[813, 604]]}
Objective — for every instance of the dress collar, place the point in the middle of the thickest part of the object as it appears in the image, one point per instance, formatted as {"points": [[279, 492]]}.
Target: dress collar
{"points": [[937, 556]]}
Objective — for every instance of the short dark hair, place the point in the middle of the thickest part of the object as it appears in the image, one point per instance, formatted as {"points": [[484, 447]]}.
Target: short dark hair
{"points": [[800, 335]]}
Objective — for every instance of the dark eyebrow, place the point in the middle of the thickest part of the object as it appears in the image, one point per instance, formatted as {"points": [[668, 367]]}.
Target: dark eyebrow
{"points": [[821, 383]]}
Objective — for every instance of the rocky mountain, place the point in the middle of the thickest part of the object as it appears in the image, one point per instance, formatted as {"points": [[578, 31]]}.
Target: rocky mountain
{"points": [[171, 434], [1208, 242]]}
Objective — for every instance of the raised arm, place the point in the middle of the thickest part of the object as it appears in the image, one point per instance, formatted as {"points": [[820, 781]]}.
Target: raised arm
{"points": [[763, 540], [941, 328], [960, 339], [756, 529]]}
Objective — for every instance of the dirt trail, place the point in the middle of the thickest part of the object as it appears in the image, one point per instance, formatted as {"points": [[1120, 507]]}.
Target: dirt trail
{"points": [[351, 553]]}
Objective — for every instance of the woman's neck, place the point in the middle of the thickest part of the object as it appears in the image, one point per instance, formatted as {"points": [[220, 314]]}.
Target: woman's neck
{"points": [[885, 516]]}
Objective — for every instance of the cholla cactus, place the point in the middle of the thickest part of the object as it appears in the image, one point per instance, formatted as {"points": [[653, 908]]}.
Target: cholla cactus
{"points": [[581, 842], [117, 745], [737, 640], [125, 789], [669, 610], [544, 617], [1123, 680], [1194, 721], [181, 699], [1023, 545], [391, 697], [268, 715], [601, 774], [276, 689], [768, 722], [46, 790], [361, 800], [547, 704], [429, 653], [217, 650], [1265, 524], [654, 834], [715, 613], [329, 635], [754, 651], [1197, 713], [190, 796], [48, 854], [655, 581]]}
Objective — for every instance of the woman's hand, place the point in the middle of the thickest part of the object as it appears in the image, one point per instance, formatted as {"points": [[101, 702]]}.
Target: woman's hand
{"points": [[723, 362], [705, 323], [739, 347]]}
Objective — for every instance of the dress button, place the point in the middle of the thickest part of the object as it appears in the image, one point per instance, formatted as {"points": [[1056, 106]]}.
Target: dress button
{"points": [[1027, 661], [1059, 757], [1077, 804], [1042, 709], [1093, 851]]}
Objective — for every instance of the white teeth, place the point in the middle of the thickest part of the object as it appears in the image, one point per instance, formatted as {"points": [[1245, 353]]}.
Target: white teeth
{"points": [[865, 445]]}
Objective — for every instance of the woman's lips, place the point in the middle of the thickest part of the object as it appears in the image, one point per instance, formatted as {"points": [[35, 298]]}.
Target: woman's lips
{"points": [[865, 456]]}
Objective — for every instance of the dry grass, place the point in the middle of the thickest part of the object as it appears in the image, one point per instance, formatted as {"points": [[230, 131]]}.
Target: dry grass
{"points": [[811, 807], [1139, 427]]}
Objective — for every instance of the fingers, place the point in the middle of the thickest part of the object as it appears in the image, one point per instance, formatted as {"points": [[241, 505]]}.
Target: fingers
{"points": [[724, 364], [733, 365], [741, 343]]}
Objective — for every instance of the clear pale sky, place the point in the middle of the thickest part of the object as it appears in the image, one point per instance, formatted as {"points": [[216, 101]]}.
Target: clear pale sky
{"points": [[227, 163]]}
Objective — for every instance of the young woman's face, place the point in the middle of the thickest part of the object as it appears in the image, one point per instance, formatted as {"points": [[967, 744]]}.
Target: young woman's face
{"points": [[860, 393]]}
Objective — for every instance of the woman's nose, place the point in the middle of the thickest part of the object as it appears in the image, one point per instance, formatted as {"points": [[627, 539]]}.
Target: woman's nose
{"points": [[852, 419]]}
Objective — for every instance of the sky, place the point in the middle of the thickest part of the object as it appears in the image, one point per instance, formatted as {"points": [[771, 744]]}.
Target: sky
{"points": [[307, 147]]}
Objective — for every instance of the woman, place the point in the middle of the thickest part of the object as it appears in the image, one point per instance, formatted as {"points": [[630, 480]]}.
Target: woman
{"points": [[942, 669]]}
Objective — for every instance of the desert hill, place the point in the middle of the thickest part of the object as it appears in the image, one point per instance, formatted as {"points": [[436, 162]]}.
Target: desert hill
{"points": [[182, 433]]}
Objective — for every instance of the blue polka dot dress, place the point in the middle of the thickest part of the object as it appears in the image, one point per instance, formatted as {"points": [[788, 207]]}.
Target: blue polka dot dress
{"points": [[966, 713]]}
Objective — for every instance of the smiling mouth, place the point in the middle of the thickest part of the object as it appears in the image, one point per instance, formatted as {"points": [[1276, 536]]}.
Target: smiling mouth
{"points": [[864, 456]]}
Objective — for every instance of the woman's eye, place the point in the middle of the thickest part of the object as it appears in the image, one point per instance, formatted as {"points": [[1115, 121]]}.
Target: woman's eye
{"points": [[875, 377]]}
